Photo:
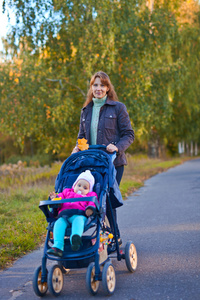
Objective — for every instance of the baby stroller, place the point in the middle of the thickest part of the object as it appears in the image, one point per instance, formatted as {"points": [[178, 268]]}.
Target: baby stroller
{"points": [[99, 245]]}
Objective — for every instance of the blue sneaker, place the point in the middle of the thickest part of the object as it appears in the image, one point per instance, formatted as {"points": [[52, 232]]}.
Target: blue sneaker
{"points": [[55, 251], [76, 242]]}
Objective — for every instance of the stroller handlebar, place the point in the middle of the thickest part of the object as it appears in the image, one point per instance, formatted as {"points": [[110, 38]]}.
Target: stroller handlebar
{"points": [[103, 147], [97, 147]]}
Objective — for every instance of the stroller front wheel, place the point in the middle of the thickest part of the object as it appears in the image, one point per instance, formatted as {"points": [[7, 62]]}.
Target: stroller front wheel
{"points": [[55, 280], [40, 288], [91, 284], [108, 278]]}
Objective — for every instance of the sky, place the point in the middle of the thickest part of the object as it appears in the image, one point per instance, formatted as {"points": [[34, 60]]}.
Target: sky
{"points": [[3, 25], [3, 22]]}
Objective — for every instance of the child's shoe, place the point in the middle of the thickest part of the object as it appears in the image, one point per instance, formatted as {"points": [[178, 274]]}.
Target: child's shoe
{"points": [[76, 242], [55, 251]]}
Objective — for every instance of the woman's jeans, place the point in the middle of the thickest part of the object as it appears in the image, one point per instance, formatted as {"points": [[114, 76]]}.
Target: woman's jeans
{"points": [[77, 221]]}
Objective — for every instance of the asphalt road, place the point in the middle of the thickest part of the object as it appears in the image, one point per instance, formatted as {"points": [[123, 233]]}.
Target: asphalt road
{"points": [[163, 221]]}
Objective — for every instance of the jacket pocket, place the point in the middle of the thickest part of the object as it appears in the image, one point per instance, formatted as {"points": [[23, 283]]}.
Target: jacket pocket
{"points": [[111, 121], [110, 125]]}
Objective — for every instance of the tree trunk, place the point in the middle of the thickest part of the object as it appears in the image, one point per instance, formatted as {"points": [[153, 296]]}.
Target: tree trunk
{"points": [[153, 149], [191, 148], [150, 4], [196, 149]]}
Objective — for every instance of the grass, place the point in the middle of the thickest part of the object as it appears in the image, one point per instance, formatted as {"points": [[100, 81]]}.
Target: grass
{"points": [[12, 178], [22, 223]]}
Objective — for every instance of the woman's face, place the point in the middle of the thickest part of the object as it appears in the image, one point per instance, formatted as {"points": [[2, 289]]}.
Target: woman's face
{"points": [[99, 90]]}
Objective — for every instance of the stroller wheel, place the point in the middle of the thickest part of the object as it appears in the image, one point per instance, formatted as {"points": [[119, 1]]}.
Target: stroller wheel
{"points": [[91, 284], [55, 280], [108, 278], [40, 288], [131, 257]]}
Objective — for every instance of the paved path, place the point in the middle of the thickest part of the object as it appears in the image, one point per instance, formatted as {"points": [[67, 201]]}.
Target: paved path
{"points": [[163, 220]]}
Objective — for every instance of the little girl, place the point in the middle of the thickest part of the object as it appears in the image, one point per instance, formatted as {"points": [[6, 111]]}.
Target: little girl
{"points": [[75, 213]]}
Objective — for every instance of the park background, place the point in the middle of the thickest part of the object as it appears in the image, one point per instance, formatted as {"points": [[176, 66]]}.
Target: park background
{"points": [[151, 51]]}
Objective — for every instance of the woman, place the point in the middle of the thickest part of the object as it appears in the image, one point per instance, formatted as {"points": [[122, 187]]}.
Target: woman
{"points": [[105, 121]]}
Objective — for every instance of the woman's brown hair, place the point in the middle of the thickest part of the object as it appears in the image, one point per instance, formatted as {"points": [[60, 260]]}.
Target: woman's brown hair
{"points": [[106, 81]]}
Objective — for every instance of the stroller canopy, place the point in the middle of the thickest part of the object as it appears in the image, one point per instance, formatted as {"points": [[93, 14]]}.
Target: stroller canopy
{"points": [[99, 163]]}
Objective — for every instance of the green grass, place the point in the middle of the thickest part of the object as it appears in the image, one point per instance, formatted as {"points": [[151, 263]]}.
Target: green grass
{"points": [[129, 186], [16, 178], [22, 223]]}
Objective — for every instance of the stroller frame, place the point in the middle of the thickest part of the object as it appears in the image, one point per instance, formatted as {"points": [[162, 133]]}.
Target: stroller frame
{"points": [[89, 255]]}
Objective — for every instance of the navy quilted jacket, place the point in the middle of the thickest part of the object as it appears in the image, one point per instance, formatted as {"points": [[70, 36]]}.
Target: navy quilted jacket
{"points": [[114, 127]]}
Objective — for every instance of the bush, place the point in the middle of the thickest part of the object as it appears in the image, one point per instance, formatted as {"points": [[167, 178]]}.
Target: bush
{"points": [[35, 160]]}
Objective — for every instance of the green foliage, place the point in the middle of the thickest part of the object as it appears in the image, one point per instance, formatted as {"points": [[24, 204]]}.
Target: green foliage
{"points": [[7, 148], [36, 160], [152, 59]]}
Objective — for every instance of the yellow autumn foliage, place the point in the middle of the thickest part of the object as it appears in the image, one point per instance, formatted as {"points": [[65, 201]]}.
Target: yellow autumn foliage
{"points": [[82, 144]]}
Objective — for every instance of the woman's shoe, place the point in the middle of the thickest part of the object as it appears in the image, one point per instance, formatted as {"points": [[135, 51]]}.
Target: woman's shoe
{"points": [[112, 246], [119, 241], [55, 251], [76, 242]]}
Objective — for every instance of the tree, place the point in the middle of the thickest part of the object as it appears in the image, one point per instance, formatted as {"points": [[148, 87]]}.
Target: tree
{"points": [[58, 45], [185, 102]]}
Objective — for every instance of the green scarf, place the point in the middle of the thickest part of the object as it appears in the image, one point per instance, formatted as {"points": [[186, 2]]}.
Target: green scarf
{"points": [[98, 103]]}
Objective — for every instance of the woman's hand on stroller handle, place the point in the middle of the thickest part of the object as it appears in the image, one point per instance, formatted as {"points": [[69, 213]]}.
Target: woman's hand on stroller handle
{"points": [[111, 148], [104, 147]]}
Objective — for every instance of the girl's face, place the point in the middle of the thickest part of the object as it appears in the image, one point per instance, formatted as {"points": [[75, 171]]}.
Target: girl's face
{"points": [[99, 90], [82, 187]]}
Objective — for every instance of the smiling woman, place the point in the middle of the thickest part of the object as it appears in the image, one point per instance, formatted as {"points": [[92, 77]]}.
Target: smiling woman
{"points": [[105, 121]]}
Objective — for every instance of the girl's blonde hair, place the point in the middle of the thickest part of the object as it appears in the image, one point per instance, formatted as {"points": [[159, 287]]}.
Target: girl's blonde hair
{"points": [[106, 81]]}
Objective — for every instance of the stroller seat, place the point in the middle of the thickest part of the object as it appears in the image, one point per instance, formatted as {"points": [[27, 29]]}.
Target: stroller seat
{"points": [[91, 224]]}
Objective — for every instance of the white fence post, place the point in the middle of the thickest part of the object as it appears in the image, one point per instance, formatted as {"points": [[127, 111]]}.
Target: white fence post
{"points": [[191, 148], [196, 149]]}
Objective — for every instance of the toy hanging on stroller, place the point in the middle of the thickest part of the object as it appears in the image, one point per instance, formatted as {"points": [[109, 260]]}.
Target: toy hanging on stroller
{"points": [[99, 244]]}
